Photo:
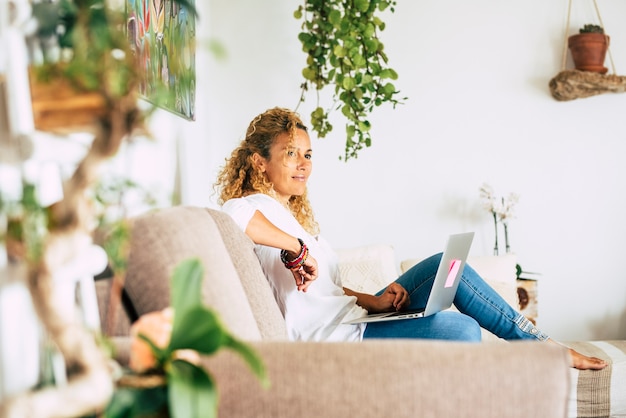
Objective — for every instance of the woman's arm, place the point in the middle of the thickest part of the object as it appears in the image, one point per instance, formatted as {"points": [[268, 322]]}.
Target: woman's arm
{"points": [[263, 232], [394, 298], [364, 300]]}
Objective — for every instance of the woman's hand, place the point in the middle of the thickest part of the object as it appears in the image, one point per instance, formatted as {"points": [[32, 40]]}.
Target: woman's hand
{"points": [[394, 298], [305, 274]]}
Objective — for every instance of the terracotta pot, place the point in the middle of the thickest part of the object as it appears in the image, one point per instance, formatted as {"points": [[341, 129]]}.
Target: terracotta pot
{"points": [[589, 51]]}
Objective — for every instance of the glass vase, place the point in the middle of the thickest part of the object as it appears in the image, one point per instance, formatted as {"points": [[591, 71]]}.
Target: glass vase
{"points": [[496, 249], [506, 237]]}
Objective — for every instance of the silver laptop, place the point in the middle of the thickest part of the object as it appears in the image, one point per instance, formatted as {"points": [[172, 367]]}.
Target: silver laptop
{"points": [[445, 284]]}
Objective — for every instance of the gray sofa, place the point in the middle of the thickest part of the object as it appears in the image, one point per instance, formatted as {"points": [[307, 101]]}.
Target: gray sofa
{"points": [[402, 378]]}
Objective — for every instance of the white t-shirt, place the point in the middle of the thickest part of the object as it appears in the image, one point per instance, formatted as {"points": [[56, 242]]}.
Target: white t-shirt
{"points": [[318, 313]]}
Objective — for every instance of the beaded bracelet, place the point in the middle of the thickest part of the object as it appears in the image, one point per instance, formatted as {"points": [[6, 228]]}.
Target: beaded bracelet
{"points": [[299, 260]]}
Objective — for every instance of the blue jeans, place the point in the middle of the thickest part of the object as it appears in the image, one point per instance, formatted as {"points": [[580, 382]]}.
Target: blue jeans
{"points": [[478, 304]]}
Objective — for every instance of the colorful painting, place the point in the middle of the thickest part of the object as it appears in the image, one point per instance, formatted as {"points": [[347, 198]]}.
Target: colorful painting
{"points": [[162, 35]]}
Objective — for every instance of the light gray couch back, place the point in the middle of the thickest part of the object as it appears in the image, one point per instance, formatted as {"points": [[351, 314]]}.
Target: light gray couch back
{"points": [[233, 285]]}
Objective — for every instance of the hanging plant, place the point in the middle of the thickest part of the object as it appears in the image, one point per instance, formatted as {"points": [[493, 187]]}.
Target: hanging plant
{"points": [[343, 48]]}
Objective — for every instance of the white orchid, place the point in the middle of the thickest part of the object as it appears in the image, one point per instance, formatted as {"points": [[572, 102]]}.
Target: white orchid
{"points": [[502, 210], [489, 200], [508, 205], [501, 207]]}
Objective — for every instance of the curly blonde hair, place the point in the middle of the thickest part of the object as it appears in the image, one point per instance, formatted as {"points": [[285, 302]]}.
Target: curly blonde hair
{"points": [[240, 177]]}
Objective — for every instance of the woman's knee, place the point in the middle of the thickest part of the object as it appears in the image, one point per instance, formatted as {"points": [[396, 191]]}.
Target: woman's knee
{"points": [[461, 327], [471, 332]]}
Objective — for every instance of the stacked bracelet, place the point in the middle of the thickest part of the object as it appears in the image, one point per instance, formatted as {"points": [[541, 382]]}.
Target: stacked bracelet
{"points": [[299, 260]]}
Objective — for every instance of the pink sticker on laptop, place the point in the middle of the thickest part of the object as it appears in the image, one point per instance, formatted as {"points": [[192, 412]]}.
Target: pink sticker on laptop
{"points": [[455, 265]]}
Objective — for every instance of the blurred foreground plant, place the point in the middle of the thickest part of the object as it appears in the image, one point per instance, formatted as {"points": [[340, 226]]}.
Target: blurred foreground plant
{"points": [[167, 347]]}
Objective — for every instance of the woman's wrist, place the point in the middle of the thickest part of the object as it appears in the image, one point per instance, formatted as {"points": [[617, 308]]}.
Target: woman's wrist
{"points": [[295, 250], [293, 260]]}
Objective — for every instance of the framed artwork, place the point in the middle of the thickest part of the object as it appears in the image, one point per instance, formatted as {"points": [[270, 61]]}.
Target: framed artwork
{"points": [[162, 35]]}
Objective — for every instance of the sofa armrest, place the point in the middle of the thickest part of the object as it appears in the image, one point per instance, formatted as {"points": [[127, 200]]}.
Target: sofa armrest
{"points": [[397, 378]]}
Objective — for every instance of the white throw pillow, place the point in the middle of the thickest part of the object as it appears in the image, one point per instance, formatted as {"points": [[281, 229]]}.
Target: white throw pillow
{"points": [[368, 268]]}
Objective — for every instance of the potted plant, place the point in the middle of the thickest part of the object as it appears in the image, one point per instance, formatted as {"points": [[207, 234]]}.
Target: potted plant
{"points": [[588, 48]]}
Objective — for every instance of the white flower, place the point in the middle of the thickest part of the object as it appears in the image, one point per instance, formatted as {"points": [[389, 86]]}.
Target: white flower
{"points": [[501, 207], [508, 205], [489, 201]]}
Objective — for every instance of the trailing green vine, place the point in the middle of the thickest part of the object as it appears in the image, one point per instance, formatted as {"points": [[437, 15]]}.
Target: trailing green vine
{"points": [[341, 40]]}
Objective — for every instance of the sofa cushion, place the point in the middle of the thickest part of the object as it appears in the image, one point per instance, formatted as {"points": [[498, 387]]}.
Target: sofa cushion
{"points": [[599, 393], [241, 249], [368, 268], [160, 240]]}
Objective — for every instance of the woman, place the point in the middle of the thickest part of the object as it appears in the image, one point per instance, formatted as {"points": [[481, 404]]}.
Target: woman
{"points": [[263, 188]]}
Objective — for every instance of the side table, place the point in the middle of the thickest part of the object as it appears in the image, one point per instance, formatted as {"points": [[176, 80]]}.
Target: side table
{"points": [[527, 293]]}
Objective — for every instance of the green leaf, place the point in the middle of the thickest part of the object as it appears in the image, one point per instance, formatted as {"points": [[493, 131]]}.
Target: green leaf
{"points": [[359, 61], [371, 45], [309, 74], [339, 51], [358, 93], [130, 402], [347, 111], [349, 83], [318, 112], [197, 328], [29, 197], [116, 245], [186, 285], [386, 73], [334, 17], [192, 392], [389, 89], [306, 39], [362, 5]]}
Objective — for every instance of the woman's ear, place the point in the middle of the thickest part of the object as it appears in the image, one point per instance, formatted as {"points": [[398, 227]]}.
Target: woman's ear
{"points": [[259, 162]]}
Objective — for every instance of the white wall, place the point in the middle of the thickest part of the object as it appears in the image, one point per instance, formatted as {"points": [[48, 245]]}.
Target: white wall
{"points": [[479, 110]]}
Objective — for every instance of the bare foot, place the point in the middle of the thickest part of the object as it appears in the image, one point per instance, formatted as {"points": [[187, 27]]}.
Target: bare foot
{"points": [[582, 362]]}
